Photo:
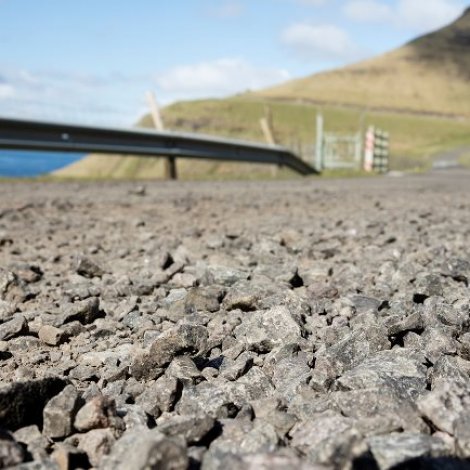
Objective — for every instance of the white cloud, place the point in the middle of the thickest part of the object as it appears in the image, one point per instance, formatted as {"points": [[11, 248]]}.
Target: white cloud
{"points": [[228, 9], [6, 91], [368, 10], [119, 100], [426, 15], [321, 42], [417, 15], [71, 97], [217, 78], [315, 3]]}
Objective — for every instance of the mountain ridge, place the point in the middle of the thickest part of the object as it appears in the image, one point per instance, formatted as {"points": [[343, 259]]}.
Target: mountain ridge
{"points": [[428, 75]]}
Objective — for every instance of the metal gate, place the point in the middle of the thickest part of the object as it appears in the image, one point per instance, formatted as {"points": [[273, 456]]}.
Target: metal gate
{"points": [[337, 150], [341, 151]]}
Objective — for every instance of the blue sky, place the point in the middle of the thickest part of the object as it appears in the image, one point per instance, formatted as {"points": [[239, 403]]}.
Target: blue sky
{"points": [[92, 61]]}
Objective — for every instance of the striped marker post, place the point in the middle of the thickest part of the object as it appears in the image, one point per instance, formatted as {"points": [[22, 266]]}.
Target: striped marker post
{"points": [[369, 149]]}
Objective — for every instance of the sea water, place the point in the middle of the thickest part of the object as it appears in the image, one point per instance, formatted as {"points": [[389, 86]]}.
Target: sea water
{"points": [[22, 163]]}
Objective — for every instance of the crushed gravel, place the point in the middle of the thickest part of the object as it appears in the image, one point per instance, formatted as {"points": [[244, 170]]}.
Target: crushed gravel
{"points": [[307, 324]]}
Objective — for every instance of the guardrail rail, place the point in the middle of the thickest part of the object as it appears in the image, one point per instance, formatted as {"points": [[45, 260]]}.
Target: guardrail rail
{"points": [[18, 134]]}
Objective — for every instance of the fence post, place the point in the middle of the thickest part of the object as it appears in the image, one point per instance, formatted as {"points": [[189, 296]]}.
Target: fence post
{"points": [[319, 143], [267, 131], [369, 149], [170, 162], [266, 123], [358, 150]]}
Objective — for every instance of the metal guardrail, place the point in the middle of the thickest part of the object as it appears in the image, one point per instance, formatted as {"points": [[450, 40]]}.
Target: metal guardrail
{"points": [[33, 135]]}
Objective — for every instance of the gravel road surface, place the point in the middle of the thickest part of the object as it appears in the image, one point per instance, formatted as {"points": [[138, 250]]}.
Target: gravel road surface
{"points": [[304, 324]]}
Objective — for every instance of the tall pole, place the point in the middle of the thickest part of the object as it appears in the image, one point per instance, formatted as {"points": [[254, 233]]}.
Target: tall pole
{"points": [[155, 111], [170, 162], [267, 131], [369, 149], [266, 123], [319, 143]]}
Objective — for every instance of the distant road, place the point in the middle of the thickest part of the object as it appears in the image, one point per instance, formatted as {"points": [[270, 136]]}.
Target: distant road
{"points": [[449, 159]]}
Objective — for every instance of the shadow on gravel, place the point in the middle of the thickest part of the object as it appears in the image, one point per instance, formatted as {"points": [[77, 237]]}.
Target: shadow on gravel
{"points": [[367, 462], [436, 463]]}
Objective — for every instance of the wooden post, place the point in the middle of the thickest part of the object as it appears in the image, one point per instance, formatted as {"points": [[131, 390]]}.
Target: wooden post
{"points": [[170, 162], [358, 150], [155, 111], [267, 128], [319, 157], [267, 132]]}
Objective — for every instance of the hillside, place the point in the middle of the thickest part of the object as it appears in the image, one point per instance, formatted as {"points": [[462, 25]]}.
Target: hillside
{"points": [[420, 93], [415, 139], [430, 74]]}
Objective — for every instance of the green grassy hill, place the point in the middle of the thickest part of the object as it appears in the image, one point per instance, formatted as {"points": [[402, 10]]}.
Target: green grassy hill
{"points": [[414, 139], [420, 93]]}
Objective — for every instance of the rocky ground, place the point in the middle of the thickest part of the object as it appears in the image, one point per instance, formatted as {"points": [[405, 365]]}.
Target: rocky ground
{"points": [[302, 324]]}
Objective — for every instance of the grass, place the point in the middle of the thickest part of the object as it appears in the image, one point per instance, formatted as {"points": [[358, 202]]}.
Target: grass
{"points": [[414, 139], [464, 160]]}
